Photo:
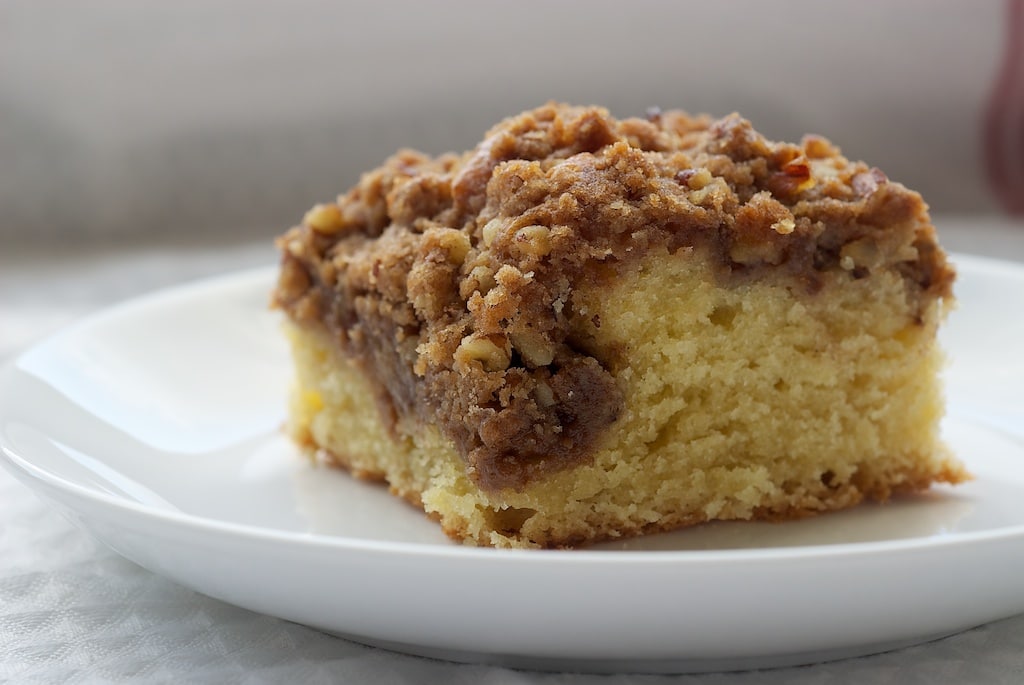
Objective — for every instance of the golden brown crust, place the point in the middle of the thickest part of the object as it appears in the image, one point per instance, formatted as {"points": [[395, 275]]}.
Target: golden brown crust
{"points": [[451, 279]]}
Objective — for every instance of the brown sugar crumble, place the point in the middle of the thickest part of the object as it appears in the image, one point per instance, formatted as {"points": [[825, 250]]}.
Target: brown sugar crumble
{"points": [[450, 279]]}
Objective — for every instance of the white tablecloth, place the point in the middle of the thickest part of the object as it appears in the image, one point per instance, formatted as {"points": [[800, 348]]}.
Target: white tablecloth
{"points": [[73, 611]]}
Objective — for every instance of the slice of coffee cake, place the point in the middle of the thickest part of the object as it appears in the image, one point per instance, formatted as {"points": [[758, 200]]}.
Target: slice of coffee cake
{"points": [[588, 328]]}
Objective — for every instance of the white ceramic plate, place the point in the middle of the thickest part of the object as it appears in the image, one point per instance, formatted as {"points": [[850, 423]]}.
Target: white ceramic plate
{"points": [[155, 426]]}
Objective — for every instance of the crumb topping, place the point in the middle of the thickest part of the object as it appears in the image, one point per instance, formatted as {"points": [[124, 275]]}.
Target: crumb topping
{"points": [[450, 279]]}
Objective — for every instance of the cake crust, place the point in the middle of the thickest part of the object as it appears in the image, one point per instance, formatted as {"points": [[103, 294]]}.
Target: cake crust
{"points": [[452, 281]]}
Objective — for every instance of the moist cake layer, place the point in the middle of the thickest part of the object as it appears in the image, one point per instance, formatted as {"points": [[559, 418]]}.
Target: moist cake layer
{"points": [[747, 402]]}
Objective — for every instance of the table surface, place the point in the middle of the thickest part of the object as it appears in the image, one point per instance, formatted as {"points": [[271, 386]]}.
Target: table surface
{"points": [[73, 611]]}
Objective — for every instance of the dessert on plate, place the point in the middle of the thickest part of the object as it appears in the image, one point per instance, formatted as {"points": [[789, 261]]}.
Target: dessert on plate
{"points": [[587, 328]]}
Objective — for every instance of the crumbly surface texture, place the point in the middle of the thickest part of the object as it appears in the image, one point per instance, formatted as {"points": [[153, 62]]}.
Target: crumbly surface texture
{"points": [[588, 328]]}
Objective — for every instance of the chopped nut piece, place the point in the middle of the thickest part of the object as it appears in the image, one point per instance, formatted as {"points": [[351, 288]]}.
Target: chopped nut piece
{"points": [[863, 252], [753, 253], [482, 278], [908, 253], [533, 348], [683, 176], [784, 227], [324, 219], [483, 350], [866, 183], [695, 179], [490, 231], [816, 147], [533, 240], [545, 396], [456, 244], [794, 177]]}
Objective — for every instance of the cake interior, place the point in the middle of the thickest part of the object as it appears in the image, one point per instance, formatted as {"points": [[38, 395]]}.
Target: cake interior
{"points": [[749, 399]]}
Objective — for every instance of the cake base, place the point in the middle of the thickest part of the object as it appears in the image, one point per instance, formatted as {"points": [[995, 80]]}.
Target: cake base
{"points": [[746, 400]]}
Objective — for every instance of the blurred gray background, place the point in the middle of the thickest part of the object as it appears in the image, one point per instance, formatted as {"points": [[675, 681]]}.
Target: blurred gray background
{"points": [[173, 121]]}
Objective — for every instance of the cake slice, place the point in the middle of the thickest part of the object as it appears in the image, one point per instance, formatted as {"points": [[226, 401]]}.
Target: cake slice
{"points": [[588, 328]]}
